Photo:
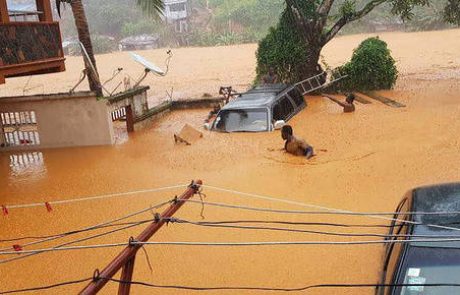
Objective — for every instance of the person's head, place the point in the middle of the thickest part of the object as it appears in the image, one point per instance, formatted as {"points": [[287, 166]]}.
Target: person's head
{"points": [[286, 132], [271, 70], [350, 98]]}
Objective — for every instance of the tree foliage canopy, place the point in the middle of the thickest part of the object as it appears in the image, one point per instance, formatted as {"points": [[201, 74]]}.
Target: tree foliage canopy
{"points": [[293, 47]]}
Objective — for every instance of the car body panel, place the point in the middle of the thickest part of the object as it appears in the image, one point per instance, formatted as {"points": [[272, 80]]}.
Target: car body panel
{"points": [[272, 98], [399, 257]]}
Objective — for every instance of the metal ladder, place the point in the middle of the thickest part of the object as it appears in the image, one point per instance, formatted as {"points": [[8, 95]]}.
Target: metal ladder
{"points": [[315, 83]]}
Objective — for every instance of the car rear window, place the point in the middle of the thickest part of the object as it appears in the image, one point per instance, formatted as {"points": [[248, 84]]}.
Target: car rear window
{"points": [[425, 265]]}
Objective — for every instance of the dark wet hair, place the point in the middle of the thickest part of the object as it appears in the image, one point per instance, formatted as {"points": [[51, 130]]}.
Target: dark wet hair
{"points": [[286, 131], [350, 97]]}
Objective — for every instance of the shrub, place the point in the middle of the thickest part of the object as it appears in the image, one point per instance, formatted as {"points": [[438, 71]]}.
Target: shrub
{"points": [[371, 68]]}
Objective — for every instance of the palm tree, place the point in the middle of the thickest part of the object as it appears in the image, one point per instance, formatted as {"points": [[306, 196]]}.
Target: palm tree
{"points": [[153, 8]]}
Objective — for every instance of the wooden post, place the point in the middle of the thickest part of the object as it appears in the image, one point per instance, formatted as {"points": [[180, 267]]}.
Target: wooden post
{"points": [[44, 6], [129, 118], [124, 258], [2, 132], [126, 276], [4, 18]]}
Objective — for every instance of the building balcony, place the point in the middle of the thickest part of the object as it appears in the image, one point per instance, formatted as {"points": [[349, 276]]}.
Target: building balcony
{"points": [[29, 48]]}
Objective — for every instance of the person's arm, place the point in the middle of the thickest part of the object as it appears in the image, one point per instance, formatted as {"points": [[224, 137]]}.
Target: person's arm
{"points": [[337, 101]]}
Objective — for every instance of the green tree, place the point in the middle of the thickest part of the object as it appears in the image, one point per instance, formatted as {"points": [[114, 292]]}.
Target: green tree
{"points": [[316, 29]]}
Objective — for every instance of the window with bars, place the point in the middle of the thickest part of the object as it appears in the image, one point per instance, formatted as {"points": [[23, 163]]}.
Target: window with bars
{"points": [[19, 128]]}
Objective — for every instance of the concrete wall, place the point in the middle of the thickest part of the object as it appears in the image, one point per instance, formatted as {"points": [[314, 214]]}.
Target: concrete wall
{"points": [[137, 98], [65, 120]]}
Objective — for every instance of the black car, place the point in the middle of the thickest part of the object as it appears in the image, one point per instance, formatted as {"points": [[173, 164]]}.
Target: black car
{"points": [[419, 261]]}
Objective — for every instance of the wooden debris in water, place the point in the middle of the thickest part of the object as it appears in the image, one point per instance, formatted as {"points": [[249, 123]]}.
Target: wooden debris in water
{"points": [[384, 100], [188, 135]]}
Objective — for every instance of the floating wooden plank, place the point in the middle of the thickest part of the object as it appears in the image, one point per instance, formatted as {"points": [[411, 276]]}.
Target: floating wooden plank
{"points": [[361, 99], [384, 100]]}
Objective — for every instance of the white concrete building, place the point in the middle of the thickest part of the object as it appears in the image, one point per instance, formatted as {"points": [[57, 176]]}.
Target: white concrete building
{"points": [[177, 13]]}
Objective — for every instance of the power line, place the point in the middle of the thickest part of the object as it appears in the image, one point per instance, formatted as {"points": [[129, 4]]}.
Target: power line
{"points": [[92, 198], [268, 210], [32, 289], [235, 244], [62, 234], [231, 288], [237, 288], [300, 223], [208, 224], [333, 211], [94, 227], [35, 252]]}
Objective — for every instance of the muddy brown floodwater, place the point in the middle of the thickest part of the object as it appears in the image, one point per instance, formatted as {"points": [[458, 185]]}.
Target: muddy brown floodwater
{"points": [[366, 161]]}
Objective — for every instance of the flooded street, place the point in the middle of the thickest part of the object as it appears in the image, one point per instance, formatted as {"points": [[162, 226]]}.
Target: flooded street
{"points": [[365, 162]]}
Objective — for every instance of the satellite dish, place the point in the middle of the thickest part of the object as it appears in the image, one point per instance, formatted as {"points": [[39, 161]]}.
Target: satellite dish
{"points": [[147, 65], [150, 67]]}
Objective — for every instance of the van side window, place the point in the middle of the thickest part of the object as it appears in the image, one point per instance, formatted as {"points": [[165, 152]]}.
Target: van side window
{"points": [[297, 97], [282, 109], [277, 115]]}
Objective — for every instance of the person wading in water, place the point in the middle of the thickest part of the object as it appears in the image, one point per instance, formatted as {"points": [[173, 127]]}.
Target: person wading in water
{"points": [[348, 105], [295, 146], [271, 77]]}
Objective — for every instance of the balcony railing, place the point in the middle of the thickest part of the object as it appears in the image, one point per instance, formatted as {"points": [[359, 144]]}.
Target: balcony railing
{"points": [[28, 48]]}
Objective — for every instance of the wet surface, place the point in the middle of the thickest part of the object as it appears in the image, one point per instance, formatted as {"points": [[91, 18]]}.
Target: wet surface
{"points": [[365, 162]]}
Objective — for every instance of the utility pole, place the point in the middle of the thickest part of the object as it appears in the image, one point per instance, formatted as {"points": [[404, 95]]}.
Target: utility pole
{"points": [[125, 260]]}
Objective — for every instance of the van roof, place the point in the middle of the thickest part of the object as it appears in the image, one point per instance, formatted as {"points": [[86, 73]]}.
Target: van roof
{"points": [[258, 97]]}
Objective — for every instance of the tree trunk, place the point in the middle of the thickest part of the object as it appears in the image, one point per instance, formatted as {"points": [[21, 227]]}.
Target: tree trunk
{"points": [[84, 36], [312, 66]]}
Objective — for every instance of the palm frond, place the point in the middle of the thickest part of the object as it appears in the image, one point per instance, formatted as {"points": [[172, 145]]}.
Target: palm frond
{"points": [[152, 8]]}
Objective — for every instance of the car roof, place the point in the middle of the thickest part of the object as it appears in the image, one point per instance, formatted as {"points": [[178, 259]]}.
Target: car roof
{"points": [[258, 97], [437, 198]]}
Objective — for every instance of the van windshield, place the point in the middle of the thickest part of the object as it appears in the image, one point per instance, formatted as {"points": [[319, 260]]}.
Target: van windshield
{"points": [[425, 265], [244, 120]]}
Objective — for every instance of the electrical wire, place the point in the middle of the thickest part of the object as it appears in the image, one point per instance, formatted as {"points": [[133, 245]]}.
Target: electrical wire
{"points": [[345, 225], [334, 211], [236, 244], [33, 289], [207, 224], [301, 223], [97, 226], [92, 198], [32, 252], [322, 286], [268, 210], [230, 288], [61, 234]]}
